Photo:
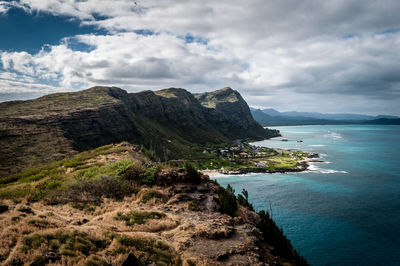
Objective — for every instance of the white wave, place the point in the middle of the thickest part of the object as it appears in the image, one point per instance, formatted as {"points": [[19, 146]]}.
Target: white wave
{"points": [[333, 135], [313, 168], [317, 145]]}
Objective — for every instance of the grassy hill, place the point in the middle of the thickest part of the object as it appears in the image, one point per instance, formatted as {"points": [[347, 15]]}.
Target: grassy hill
{"points": [[114, 206]]}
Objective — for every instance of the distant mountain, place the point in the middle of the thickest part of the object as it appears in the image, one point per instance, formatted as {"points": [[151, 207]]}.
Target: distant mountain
{"points": [[342, 117], [282, 120], [271, 112], [171, 123], [271, 117], [383, 121]]}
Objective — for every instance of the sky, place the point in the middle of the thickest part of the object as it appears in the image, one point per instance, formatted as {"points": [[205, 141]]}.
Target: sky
{"points": [[331, 56]]}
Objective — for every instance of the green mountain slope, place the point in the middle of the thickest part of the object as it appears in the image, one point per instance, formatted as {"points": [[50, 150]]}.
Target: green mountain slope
{"points": [[170, 123]]}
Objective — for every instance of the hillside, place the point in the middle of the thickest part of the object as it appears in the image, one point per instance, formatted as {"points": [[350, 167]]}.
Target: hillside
{"points": [[114, 206], [170, 124]]}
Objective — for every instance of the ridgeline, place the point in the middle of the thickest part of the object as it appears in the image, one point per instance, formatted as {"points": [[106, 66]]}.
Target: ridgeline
{"points": [[170, 124]]}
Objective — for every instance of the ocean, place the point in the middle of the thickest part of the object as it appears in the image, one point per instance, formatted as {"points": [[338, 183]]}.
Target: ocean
{"points": [[345, 211]]}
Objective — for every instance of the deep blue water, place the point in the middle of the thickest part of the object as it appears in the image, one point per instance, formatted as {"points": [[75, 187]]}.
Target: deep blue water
{"points": [[344, 212]]}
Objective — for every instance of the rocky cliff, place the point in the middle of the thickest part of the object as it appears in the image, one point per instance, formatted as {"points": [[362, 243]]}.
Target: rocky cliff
{"points": [[171, 123], [229, 111]]}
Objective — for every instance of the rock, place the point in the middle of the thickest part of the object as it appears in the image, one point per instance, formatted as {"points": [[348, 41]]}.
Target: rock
{"points": [[3, 208], [131, 260]]}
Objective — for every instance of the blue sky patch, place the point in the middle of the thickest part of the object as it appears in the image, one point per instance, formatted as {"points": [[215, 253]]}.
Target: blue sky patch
{"points": [[21, 31]]}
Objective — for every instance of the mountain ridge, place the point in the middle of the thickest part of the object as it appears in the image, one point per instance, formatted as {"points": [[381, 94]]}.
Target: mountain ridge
{"points": [[318, 115], [272, 117], [170, 123]]}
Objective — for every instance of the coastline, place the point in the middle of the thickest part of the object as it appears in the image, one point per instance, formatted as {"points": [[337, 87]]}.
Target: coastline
{"points": [[303, 166]]}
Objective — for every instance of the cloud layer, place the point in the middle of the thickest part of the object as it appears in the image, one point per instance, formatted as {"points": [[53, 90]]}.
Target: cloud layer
{"points": [[331, 56]]}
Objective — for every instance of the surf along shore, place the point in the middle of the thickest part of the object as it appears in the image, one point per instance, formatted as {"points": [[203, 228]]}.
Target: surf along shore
{"points": [[245, 158]]}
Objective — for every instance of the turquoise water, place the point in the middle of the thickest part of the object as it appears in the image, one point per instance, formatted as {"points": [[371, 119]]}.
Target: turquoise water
{"points": [[345, 211]]}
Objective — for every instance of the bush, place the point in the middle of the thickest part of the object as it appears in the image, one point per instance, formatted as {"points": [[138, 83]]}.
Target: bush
{"points": [[85, 191], [152, 194], [192, 175], [273, 235], [151, 250], [26, 209], [135, 217], [38, 223], [227, 200], [193, 206], [244, 200], [138, 172], [66, 243]]}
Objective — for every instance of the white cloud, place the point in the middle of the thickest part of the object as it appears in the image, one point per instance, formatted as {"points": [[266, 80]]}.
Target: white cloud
{"points": [[281, 52], [126, 59]]}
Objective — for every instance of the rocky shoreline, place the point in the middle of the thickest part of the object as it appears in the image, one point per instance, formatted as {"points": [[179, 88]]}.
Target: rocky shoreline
{"points": [[303, 166]]}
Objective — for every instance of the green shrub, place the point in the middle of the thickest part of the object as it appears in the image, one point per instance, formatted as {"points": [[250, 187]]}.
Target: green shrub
{"points": [[227, 200], [135, 217], [193, 206], [65, 243], [38, 223], [138, 172], [25, 209], [34, 241], [75, 161], [85, 191], [67, 252], [153, 194], [151, 250], [243, 199], [14, 194], [192, 175], [54, 244], [16, 219], [274, 236], [33, 177], [190, 262]]}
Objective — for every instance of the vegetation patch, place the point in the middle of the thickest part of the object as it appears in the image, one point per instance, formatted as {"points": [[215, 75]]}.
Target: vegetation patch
{"points": [[193, 206], [143, 174], [243, 199], [153, 194], [274, 236], [39, 223], [69, 244], [227, 200], [85, 191], [26, 209], [192, 175], [37, 183], [150, 250], [136, 217]]}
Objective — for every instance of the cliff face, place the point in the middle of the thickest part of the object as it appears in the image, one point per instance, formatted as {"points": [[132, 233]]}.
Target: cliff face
{"points": [[227, 109], [171, 123]]}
